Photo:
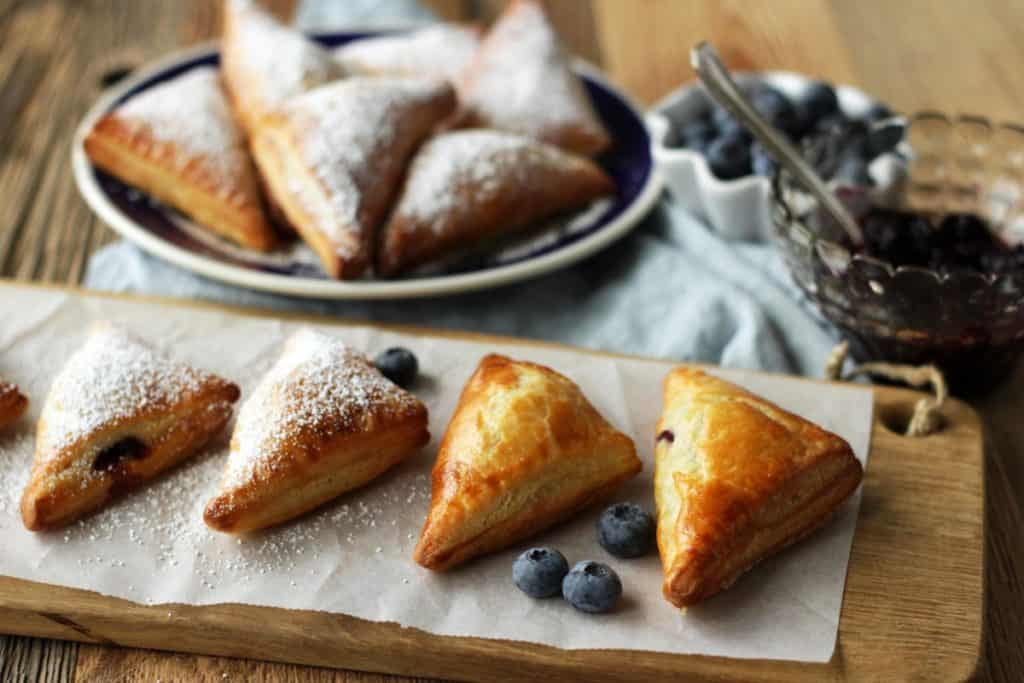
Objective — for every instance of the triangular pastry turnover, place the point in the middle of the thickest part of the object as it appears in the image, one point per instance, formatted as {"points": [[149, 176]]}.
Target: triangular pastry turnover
{"points": [[439, 51], [323, 421], [523, 451], [12, 404], [334, 157], [521, 81], [736, 480], [118, 414], [179, 142], [469, 186], [266, 63]]}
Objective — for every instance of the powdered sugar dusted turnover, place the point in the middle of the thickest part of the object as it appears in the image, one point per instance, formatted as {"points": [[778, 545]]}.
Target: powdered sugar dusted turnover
{"points": [[112, 378], [318, 384], [281, 62], [346, 133], [442, 51], [191, 113], [452, 164], [521, 81]]}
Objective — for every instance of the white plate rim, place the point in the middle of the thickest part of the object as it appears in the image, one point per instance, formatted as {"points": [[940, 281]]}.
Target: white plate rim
{"points": [[335, 289]]}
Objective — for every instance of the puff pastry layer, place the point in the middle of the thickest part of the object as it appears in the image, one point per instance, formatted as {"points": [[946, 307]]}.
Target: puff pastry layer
{"points": [[118, 414], [737, 479], [521, 81], [323, 421], [12, 404], [468, 186], [334, 157], [440, 51], [179, 142], [266, 63], [523, 451]]}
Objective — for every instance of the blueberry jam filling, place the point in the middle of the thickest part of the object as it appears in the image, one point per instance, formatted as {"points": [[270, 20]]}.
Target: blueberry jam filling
{"points": [[128, 448], [667, 436]]}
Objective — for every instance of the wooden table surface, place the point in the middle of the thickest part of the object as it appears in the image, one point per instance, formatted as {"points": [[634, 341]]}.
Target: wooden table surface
{"points": [[957, 55]]}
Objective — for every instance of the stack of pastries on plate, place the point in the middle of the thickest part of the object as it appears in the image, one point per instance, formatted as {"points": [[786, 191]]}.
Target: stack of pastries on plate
{"points": [[736, 478], [386, 154]]}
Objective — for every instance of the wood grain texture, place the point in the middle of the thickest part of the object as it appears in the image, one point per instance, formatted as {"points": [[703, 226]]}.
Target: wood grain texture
{"points": [[912, 609], [957, 54]]}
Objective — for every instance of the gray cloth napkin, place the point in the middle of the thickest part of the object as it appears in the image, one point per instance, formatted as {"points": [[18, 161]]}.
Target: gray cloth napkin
{"points": [[671, 289]]}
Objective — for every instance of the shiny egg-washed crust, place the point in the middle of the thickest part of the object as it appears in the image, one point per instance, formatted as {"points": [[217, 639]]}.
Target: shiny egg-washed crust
{"points": [[523, 451], [521, 80], [63, 486], [372, 176], [318, 459], [12, 404], [737, 479]]}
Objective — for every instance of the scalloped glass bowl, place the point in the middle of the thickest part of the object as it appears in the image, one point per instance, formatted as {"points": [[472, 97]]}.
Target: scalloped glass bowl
{"points": [[969, 324]]}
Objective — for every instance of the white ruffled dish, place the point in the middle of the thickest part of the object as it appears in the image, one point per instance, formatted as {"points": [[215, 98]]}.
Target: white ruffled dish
{"points": [[737, 208]]}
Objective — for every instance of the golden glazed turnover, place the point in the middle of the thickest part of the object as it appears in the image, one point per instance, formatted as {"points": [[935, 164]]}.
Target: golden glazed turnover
{"points": [[523, 451], [441, 51], [118, 414], [266, 63], [334, 157], [12, 404], [469, 186], [179, 142], [323, 421], [737, 479], [521, 81]]}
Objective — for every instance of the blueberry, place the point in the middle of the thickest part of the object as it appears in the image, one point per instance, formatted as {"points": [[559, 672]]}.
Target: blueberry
{"points": [[963, 240], [820, 100], [884, 136], [697, 134], [778, 110], [899, 237], [592, 587], [539, 572], [853, 170], [398, 365], [723, 121], [761, 162], [626, 530], [877, 112], [833, 123], [729, 157]]}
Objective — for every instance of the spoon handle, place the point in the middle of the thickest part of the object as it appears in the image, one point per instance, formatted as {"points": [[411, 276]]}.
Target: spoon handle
{"points": [[725, 92]]}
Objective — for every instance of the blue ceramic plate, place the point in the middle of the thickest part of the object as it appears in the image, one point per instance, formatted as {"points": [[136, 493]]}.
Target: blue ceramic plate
{"points": [[294, 270]]}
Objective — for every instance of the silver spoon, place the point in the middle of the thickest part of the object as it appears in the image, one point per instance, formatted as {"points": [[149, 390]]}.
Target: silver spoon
{"points": [[725, 92]]}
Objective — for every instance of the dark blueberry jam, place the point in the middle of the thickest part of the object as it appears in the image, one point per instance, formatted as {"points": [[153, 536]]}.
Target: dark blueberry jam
{"points": [[128, 448]]}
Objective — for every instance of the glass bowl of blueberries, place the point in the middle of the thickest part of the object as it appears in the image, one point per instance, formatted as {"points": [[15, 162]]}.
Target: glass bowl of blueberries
{"points": [[939, 277], [714, 168]]}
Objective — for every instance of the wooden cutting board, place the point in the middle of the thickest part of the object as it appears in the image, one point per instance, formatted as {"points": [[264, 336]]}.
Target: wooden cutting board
{"points": [[912, 607]]}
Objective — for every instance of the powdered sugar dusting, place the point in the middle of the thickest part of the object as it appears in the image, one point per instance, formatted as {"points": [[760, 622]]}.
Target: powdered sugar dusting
{"points": [[521, 80], [110, 379], [485, 160], [346, 131], [439, 51], [317, 385], [192, 113], [283, 62]]}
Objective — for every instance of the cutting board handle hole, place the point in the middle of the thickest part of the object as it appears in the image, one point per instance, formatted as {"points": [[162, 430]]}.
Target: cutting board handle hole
{"points": [[896, 417]]}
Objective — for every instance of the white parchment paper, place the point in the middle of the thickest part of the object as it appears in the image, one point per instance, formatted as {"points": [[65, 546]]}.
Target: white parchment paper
{"points": [[353, 556]]}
